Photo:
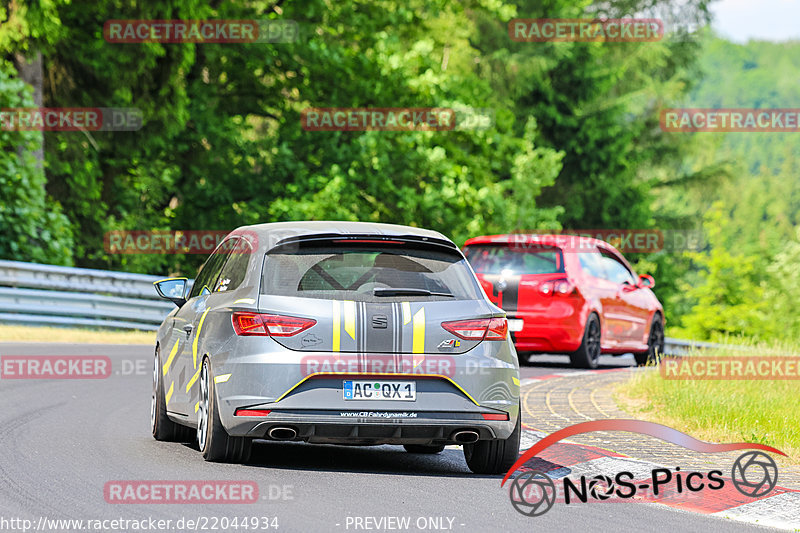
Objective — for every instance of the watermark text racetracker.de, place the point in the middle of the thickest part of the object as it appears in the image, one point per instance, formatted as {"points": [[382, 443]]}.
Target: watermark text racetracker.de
{"points": [[401, 364], [176, 241], [454, 118], [627, 241], [71, 366], [201, 31], [55, 367], [731, 368], [71, 119], [585, 30], [725, 120], [194, 523]]}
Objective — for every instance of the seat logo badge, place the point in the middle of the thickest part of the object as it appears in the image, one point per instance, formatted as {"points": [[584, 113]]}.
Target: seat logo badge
{"points": [[380, 321]]}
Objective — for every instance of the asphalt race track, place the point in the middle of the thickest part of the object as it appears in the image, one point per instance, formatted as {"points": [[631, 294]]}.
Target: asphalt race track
{"points": [[63, 440]]}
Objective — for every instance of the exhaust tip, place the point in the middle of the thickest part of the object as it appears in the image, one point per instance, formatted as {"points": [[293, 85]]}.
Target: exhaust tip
{"points": [[282, 433], [466, 437]]}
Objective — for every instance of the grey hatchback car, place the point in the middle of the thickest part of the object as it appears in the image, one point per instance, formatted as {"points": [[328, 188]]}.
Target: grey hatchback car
{"points": [[339, 333]]}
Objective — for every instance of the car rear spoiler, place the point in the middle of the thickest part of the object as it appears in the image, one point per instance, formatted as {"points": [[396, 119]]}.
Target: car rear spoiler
{"points": [[372, 238]]}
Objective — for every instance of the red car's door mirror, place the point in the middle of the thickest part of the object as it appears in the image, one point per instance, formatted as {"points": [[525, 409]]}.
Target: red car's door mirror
{"points": [[646, 282]]}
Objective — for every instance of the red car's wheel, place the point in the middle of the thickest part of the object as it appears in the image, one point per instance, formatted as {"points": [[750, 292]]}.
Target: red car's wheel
{"points": [[588, 355], [655, 344]]}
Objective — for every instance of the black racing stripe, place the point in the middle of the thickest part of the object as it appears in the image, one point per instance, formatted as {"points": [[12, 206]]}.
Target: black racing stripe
{"points": [[510, 300], [379, 338]]}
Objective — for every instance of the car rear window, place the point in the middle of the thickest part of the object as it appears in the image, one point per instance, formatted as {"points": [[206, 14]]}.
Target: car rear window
{"points": [[353, 272], [493, 259]]}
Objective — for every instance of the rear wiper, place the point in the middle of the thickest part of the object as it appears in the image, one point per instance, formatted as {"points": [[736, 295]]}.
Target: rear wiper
{"points": [[392, 291]]}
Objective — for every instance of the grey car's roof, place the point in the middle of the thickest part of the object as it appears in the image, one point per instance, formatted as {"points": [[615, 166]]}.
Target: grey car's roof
{"points": [[270, 234]]}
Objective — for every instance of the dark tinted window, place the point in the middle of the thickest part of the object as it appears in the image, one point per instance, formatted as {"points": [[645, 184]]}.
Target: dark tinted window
{"points": [[347, 272], [235, 268], [496, 259], [209, 272]]}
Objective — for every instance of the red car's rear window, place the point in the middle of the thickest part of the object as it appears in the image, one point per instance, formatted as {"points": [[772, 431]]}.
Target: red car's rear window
{"points": [[497, 259]]}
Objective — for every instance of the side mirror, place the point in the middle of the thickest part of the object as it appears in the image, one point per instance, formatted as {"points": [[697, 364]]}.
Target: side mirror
{"points": [[172, 289], [646, 282]]}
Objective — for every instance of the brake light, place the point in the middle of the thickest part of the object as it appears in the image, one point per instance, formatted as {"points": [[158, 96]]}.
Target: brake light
{"points": [[497, 330], [251, 412], [490, 329], [492, 416], [368, 241], [264, 325], [559, 287]]}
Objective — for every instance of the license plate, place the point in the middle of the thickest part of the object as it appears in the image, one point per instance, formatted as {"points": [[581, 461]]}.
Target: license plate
{"points": [[403, 391], [515, 324]]}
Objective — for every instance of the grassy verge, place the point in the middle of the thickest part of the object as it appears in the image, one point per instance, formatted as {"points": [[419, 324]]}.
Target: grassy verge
{"points": [[47, 334], [762, 411]]}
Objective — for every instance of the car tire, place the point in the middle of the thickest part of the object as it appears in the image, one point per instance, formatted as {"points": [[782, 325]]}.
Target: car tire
{"points": [[655, 344], [213, 441], [588, 355], [494, 456], [162, 427], [524, 358], [424, 448]]}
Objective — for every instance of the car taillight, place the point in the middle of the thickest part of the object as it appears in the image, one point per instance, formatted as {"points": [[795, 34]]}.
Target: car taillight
{"points": [[497, 330], [251, 412], [492, 416], [264, 325], [490, 329], [559, 287]]}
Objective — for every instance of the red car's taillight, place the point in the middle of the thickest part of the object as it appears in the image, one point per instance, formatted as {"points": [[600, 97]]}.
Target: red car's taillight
{"points": [[264, 325], [490, 329], [559, 287]]}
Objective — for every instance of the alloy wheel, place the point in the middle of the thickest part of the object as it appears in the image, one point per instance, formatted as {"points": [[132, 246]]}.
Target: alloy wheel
{"points": [[593, 341], [154, 396], [202, 422]]}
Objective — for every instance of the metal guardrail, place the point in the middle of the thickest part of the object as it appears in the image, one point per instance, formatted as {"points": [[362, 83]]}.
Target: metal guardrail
{"points": [[680, 347], [37, 294]]}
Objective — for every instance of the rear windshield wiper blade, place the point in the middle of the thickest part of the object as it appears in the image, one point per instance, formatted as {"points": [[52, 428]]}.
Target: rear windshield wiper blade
{"points": [[392, 291]]}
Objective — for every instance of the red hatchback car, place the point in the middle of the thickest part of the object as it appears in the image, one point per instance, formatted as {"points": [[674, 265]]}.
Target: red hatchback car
{"points": [[569, 294]]}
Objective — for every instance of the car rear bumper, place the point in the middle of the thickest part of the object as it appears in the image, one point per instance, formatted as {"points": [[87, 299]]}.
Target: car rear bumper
{"points": [[374, 427], [557, 338]]}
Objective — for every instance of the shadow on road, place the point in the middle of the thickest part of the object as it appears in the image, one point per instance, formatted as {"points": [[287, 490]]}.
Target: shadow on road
{"points": [[381, 460]]}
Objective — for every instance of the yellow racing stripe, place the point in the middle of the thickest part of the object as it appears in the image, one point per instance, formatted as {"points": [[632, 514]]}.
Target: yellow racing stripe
{"points": [[418, 335], [169, 393], [337, 327], [194, 378], [350, 318], [172, 354], [197, 336]]}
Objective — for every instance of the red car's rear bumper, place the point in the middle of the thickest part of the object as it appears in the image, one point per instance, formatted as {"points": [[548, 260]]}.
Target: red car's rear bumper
{"points": [[541, 332]]}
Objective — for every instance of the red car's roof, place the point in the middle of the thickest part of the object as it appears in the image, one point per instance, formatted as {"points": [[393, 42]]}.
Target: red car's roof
{"points": [[536, 238]]}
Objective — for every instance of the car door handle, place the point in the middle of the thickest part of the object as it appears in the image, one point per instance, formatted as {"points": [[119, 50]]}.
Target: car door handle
{"points": [[188, 329]]}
